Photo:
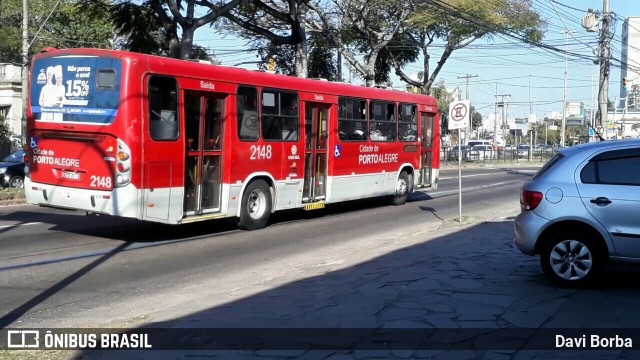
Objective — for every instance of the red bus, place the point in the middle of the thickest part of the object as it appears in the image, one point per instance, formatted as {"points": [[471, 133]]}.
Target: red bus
{"points": [[177, 141]]}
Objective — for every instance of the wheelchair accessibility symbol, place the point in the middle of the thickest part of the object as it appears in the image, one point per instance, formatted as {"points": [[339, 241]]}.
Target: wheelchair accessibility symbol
{"points": [[34, 142], [337, 150]]}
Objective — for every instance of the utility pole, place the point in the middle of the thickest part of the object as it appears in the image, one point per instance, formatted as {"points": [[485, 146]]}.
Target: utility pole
{"points": [[504, 121], [592, 115], [339, 52], [603, 91], [495, 119], [25, 70], [535, 124], [564, 90], [467, 77]]}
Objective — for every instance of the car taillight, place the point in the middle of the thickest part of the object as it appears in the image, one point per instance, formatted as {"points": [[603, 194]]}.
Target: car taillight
{"points": [[529, 200]]}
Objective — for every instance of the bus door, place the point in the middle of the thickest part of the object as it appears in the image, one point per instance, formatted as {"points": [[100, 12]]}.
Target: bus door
{"points": [[316, 126], [204, 113], [426, 148]]}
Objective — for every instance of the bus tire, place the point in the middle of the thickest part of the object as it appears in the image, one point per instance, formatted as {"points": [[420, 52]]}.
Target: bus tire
{"points": [[401, 190], [255, 208]]}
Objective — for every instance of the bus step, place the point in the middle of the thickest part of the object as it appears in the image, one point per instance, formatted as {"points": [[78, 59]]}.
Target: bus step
{"points": [[194, 218], [314, 205]]}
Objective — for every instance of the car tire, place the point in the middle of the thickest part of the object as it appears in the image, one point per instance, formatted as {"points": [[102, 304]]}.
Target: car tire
{"points": [[255, 208], [16, 182], [401, 190], [570, 259]]}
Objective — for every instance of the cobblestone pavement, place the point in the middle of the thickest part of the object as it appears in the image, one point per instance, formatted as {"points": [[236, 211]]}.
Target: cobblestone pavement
{"points": [[451, 278]]}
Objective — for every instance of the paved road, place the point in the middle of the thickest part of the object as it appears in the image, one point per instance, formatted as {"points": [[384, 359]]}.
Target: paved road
{"points": [[373, 266]]}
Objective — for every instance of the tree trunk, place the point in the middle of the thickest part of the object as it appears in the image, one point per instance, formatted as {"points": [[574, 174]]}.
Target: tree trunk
{"points": [[301, 56], [173, 44], [370, 69], [186, 44]]}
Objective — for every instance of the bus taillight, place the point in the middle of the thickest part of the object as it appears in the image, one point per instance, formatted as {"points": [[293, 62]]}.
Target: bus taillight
{"points": [[123, 165], [25, 159]]}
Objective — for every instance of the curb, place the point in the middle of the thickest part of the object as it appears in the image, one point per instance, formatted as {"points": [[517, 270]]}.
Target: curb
{"points": [[11, 202]]}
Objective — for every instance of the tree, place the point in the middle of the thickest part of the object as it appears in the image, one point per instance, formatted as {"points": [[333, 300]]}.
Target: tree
{"points": [[320, 61], [444, 97], [279, 22], [140, 29], [476, 118], [63, 24], [283, 56], [201, 53], [167, 16], [400, 51], [357, 27], [459, 23]]}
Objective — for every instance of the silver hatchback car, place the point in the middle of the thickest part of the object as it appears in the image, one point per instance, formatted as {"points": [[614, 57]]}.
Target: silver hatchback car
{"points": [[582, 209]]}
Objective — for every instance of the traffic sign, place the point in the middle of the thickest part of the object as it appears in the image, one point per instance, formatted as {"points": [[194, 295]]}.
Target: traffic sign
{"points": [[459, 114], [591, 132]]}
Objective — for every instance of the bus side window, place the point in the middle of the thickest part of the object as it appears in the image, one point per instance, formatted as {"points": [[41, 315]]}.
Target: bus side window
{"points": [[247, 109], [163, 108], [408, 125], [352, 119], [280, 115]]}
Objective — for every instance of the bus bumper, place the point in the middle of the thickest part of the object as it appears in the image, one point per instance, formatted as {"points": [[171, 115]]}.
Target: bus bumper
{"points": [[122, 201]]}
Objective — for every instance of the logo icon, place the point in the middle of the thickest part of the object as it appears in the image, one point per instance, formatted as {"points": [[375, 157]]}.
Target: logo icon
{"points": [[294, 149], [33, 143], [336, 150], [23, 339]]}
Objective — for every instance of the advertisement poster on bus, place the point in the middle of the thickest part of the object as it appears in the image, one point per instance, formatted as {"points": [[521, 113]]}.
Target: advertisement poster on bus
{"points": [[75, 89]]}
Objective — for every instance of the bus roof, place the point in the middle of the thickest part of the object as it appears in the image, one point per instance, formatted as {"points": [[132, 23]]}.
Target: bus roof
{"points": [[232, 74]]}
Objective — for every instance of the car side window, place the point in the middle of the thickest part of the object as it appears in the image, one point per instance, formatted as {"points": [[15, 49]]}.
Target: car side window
{"points": [[612, 171], [623, 171]]}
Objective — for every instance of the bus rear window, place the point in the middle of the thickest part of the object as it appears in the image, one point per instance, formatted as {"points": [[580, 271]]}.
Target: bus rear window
{"points": [[106, 78]]}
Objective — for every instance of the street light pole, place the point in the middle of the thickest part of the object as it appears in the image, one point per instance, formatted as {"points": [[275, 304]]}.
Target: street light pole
{"points": [[25, 70]]}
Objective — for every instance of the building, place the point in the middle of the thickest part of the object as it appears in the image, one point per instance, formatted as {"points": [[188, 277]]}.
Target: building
{"points": [[11, 98]]}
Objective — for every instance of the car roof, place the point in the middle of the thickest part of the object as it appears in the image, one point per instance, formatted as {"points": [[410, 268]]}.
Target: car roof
{"points": [[600, 145]]}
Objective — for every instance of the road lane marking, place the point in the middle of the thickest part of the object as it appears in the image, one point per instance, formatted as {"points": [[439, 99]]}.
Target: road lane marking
{"points": [[488, 174], [141, 245], [472, 188], [20, 224], [130, 246]]}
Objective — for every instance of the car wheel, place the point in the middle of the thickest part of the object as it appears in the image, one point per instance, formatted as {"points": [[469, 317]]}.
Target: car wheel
{"points": [[570, 260], [255, 208], [402, 190], [16, 182]]}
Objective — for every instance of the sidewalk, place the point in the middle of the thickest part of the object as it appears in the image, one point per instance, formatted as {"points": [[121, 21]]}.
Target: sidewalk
{"points": [[437, 291], [450, 277]]}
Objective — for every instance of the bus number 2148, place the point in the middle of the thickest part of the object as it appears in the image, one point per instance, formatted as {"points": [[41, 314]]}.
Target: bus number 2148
{"points": [[259, 152], [101, 181]]}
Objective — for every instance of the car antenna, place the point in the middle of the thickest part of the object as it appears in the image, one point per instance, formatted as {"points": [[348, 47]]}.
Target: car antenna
{"points": [[597, 133]]}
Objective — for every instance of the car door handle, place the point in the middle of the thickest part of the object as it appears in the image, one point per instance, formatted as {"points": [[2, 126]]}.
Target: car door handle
{"points": [[601, 201]]}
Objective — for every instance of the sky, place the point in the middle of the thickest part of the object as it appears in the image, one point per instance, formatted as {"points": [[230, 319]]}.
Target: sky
{"points": [[530, 78]]}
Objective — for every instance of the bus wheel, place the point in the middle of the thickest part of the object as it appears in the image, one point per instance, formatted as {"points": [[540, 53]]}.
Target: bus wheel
{"points": [[402, 189], [255, 208]]}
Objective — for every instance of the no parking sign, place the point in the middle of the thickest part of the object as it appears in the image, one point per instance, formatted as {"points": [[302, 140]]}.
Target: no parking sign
{"points": [[459, 114]]}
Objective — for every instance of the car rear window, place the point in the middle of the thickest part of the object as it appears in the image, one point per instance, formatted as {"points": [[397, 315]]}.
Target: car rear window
{"points": [[554, 160]]}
